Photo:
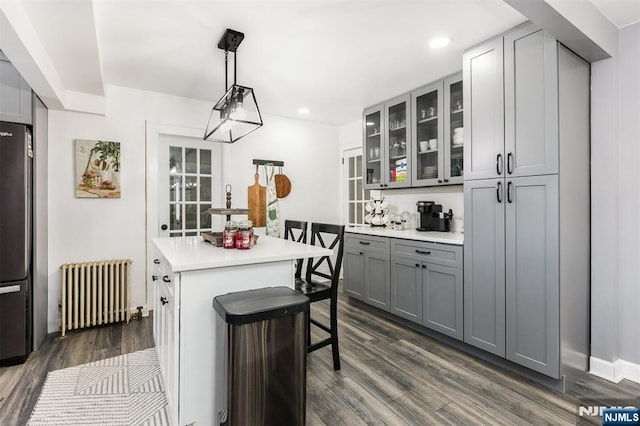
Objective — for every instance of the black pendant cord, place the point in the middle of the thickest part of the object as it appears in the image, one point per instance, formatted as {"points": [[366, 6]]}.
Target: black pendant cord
{"points": [[235, 55], [226, 70]]}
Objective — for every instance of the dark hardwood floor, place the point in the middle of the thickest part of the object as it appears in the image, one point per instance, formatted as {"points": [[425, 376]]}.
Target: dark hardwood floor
{"points": [[390, 375]]}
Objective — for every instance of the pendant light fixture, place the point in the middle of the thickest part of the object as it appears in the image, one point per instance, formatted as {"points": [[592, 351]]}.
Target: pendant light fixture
{"points": [[236, 114]]}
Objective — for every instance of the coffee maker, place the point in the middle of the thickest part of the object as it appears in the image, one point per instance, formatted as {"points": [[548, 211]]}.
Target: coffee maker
{"points": [[432, 218]]}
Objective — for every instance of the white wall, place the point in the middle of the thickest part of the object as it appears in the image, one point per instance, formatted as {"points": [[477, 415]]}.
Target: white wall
{"points": [[629, 182], [615, 155], [94, 229], [311, 162]]}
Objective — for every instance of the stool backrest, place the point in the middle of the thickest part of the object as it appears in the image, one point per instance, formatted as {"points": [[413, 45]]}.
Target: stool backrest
{"points": [[296, 230], [334, 236]]}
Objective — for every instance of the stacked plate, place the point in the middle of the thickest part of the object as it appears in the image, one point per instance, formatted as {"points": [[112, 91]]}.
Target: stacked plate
{"points": [[429, 172], [458, 136]]}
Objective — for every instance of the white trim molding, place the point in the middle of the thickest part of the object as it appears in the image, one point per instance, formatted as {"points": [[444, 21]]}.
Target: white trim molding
{"points": [[615, 371]]}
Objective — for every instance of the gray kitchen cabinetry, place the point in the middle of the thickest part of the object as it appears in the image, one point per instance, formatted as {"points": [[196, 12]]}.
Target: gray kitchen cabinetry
{"points": [[15, 94], [527, 225], [438, 115], [426, 285], [510, 84], [387, 150], [367, 270]]}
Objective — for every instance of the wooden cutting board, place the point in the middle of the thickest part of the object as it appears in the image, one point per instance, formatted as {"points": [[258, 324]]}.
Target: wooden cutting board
{"points": [[257, 202]]}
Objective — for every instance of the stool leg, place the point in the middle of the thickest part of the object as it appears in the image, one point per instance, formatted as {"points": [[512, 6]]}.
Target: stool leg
{"points": [[334, 336]]}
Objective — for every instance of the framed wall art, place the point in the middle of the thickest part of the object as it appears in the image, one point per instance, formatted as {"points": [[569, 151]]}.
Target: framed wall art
{"points": [[97, 172]]}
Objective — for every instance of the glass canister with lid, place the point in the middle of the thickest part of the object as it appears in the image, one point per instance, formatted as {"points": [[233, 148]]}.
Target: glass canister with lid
{"points": [[229, 234], [244, 236]]}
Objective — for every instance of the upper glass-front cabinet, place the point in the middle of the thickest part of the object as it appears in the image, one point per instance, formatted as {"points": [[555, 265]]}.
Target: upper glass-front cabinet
{"points": [[398, 139], [427, 135], [373, 147], [453, 131], [387, 145]]}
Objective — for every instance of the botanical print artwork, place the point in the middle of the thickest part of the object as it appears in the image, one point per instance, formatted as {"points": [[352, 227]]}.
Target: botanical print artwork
{"points": [[97, 173]]}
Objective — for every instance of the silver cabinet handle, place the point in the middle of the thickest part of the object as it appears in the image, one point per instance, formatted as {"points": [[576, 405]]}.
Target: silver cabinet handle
{"points": [[10, 289]]}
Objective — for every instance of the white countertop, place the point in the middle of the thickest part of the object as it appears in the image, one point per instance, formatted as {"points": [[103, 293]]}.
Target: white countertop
{"points": [[455, 238], [191, 253]]}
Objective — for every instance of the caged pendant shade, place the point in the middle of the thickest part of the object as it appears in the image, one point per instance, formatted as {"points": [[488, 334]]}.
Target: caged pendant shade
{"points": [[236, 114]]}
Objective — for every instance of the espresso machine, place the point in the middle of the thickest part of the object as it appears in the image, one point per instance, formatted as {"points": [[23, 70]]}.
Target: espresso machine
{"points": [[432, 218]]}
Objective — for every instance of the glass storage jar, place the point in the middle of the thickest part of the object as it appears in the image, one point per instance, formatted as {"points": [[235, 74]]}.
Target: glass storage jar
{"points": [[244, 236], [229, 234]]}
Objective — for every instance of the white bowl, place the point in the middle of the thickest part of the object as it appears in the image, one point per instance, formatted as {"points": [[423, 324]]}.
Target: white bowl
{"points": [[458, 130]]}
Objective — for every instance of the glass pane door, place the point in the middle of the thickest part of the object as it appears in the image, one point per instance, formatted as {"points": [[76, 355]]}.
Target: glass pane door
{"points": [[189, 191], [373, 147], [427, 116], [456, 131], [397, 155], [355, 194]]}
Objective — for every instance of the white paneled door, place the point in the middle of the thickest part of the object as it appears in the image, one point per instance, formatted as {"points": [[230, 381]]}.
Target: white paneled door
{"points": [[355, 196], [189, 183]]}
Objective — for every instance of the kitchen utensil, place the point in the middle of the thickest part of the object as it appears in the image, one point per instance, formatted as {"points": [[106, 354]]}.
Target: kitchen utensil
{"points": [[257, 202], [283, 184]]}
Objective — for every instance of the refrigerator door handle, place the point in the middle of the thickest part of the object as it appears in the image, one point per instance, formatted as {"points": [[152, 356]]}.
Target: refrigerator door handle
{"points": [[10, 289]]}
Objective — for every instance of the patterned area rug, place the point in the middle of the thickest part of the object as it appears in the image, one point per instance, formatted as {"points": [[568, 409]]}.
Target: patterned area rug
{"points": [[124, 390]]}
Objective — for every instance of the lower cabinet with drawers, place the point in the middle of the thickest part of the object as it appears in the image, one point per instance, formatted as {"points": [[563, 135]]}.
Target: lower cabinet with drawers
{"points": [[416, 280]]}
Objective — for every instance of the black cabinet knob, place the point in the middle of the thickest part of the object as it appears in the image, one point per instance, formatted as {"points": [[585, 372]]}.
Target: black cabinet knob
{"points": [[417, 265], [163, 300], [156, 261], [446, 180], [424, 266], [439, 180], [164, 227], [154, 277]]}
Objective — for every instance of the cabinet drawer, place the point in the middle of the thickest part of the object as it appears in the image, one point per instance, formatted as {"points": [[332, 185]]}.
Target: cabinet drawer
{"points": [[367, 242], [441, 254]]}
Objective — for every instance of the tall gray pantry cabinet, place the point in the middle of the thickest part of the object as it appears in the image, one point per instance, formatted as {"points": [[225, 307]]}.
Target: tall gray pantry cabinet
{"points": [[527, 206]]}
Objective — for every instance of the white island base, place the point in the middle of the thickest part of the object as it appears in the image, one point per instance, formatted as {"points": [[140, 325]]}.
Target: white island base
{"points": [[186, 327]]}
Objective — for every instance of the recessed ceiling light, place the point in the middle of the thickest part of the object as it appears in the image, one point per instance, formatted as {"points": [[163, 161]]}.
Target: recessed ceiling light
{"points": [[303, 111], [438, 42]]}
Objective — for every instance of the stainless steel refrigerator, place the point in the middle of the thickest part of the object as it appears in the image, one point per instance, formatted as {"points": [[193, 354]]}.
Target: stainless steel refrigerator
{"points": [[16, 157]]}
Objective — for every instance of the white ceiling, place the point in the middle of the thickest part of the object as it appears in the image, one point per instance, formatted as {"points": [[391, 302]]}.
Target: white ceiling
{"points": [[334, 57], [620, 12]]}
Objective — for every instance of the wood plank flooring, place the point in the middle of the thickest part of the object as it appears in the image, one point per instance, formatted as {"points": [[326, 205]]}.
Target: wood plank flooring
{"points": [[390, 375]]}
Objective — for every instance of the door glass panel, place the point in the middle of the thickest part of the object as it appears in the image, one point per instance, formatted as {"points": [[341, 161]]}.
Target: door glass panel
{"points": [[191, 160], [175, 216], [352, 169], [175, 188], [373, 128], [205, 217], [205, 188], [191, 216], [456, 130], [427, 135], [352, 213], [358, 192], [190, 234], [191, 188], [175, 159], [397, 125], [205, 162]]}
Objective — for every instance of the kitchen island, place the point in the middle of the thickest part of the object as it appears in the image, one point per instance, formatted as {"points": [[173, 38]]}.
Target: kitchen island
{"points": [[188, 334]]}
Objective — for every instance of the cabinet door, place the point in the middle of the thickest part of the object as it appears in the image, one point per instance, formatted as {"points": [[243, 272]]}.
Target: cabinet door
{"points": [[397, 170], [532, 284], [442, 299], [354, 272], [377, 279], [453, 140], [531, 102], [373, 129], [406, 288], [426, 135], [484, 260], [15, 94], [483, 80]]}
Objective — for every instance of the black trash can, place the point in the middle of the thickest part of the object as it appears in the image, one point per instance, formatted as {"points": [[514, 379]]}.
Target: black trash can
{"points": [[265, 375]]}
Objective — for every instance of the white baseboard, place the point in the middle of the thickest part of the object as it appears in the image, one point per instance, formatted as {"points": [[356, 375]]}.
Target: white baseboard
{"points": [[614, 371]]}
